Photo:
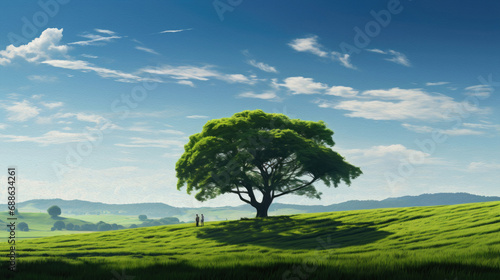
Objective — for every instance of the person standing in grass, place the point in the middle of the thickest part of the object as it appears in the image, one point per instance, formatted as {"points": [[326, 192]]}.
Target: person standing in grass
{"points": [[197, 220], [202, 220]]}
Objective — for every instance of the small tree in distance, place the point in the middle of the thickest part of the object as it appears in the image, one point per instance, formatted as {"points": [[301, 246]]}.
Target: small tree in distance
{"points": [[54, 211], [143, 217], [59, 225], [23, 226]]}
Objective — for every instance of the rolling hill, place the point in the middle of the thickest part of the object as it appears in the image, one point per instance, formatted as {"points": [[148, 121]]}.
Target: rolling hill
{"points": [[436, 242], [159, 210]]}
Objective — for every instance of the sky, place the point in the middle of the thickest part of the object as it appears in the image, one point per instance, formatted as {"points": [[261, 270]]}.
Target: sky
{"points": [[98, 98]]}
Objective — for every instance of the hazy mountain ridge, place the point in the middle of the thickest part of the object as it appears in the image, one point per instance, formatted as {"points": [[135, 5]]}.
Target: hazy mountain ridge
{"points": [[81, 207]]}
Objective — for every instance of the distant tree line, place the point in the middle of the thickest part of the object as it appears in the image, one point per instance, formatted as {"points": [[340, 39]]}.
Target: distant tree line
{"points": [[103, 226]]}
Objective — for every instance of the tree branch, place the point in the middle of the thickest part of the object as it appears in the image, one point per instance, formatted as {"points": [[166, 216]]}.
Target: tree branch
{"points": [[239, 194], [296, 189]]}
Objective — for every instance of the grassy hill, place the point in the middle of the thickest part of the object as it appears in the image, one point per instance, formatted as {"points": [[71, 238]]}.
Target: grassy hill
{"points": [[438, 242]]}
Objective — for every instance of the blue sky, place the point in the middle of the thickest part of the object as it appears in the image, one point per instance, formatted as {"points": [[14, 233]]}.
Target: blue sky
{"points": [[99, 97]]}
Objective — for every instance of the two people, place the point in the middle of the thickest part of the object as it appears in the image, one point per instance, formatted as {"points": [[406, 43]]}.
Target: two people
{"points": [[198, 220]]}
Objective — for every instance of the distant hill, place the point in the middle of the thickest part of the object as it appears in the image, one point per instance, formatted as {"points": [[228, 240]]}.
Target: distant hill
{"points": [[80, 207]]}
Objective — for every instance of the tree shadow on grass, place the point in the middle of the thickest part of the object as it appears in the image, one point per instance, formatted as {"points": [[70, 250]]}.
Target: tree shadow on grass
{"points": [[283, 232]]}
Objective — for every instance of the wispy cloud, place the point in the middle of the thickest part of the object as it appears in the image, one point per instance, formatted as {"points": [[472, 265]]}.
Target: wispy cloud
{"points": [[89, 56], [52, 105], [342, 91], [397, 57], [268, 95], [197, 117], [344, 59], [262, 66], [436, 83], [21, 111], [103, 72], [301, 85], [148, 50], [204, 73], [449, 132], [105, 31], [481, 91], [97, 39], [479, 166], [175, 30], [49, 138], [42, 78], [139, 142], [186, 82], [310, 45], [401, 104]]}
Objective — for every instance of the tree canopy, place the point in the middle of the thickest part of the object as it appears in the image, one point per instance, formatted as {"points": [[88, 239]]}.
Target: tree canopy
{"points": [[260, 157], [54, 211]]}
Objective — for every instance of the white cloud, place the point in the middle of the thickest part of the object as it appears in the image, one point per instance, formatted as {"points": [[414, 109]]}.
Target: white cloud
{"points": [[138, 142], [52, 105], [186, 82], [376, 51], [342, 91], [83, 117], [89, 56], [482, 91], [390, 155], [37, 96], [197, 73], [44, 47], [21, 111], [268, 95], [397, 57], [197, 117], [436, 83], [49, 138], [309, 44], [175, 30], [148, 50], [343, 59], [96, 39], [109, 32], [42, 78], [3, 126], [449, 132], [103, 72], [485, 126], [483, 166], [402, 104], [262, 66], [149, 130], [301, 85]]}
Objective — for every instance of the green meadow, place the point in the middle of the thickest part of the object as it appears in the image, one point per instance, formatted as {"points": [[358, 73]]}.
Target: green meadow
{"points": [[440, 242]]}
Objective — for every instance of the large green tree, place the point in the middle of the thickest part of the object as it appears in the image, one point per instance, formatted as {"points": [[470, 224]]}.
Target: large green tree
{"points": [[260, 157]]}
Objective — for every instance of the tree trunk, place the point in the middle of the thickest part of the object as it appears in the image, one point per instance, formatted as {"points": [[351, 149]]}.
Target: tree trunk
{"points": [[263, 206], [262, 210]]}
